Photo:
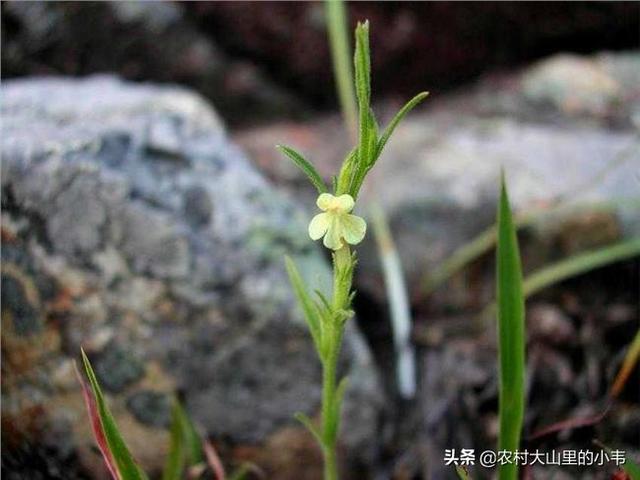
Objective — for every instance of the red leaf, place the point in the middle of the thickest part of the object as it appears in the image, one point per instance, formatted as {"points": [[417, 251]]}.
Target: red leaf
{"points": [[96, 425], [213, 459]]}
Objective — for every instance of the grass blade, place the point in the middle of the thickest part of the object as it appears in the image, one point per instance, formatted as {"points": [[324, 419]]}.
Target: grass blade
{"points": [[96, 426], [125, 465], [630, 360], [398, 298], [511, 335], [581, 263], [306, 166], [213, 459], [175, 463], [462, 472], [340, 48]]}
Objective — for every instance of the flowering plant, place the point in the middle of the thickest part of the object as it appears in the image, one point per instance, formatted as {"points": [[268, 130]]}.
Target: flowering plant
{"points": [[341, 229]]}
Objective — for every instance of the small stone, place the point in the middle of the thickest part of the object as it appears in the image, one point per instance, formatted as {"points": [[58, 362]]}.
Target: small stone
{"points": [[198, 207], [20, 302], [548, 322], [116, 368], [151, 408]]}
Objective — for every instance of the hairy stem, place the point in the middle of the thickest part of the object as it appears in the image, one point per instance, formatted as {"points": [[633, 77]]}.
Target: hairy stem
{"points": [[342, 278]]}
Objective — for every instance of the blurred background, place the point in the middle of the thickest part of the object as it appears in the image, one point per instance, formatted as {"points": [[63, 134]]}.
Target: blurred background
{"points": [[145, 214]]}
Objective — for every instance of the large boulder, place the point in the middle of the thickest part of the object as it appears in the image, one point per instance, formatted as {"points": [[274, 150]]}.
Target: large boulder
{"points": [[134, 228]]}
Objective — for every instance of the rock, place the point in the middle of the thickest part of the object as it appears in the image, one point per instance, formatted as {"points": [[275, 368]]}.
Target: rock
{"points": [[139, 41], [132, 226], [438, 178], [415, 45]]}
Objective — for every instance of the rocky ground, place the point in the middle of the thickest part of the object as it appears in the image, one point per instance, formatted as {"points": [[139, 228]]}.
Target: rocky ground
{"points": [[566, 132], [135, 225], [132, 227]]}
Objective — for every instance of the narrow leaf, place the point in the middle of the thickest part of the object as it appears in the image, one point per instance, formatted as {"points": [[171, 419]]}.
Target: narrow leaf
{"points": [[306, 421], [511, 336], [580, 263], [334, 425], [362, 65], [396, 120], [306, 303], [306, 166], [190, 436], [96, 425], [630, 360], [213, 459], [631, 468], [175, 462], [340, 48], [126, 466], [463, 473]]}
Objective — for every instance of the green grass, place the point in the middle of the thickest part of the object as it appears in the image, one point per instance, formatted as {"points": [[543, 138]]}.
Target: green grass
{"points": [[511, 336]]}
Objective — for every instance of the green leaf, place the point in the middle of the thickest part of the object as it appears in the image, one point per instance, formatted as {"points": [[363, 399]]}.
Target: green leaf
{"points": [[511, 335], [340, 53], [632, 469], [190, 436], [580, 263], [127, 468], [306, 421], [363, 91], [396, 120], [362, 64], [462, 472], [306, 166], [175, 463], [309, 309], [185, 445], [331, 434]]}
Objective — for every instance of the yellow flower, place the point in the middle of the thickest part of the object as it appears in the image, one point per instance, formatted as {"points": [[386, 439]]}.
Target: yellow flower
{"points": [[336, 224]]}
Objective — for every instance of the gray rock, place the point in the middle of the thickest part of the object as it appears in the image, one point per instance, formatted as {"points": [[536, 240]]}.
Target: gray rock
{"points": [[135, 228]]}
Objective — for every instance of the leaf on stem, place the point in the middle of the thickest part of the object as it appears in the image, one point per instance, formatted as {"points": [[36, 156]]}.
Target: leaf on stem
{"points": [[306, 166], [332, 428], [306, 421], [309, 308], [410, 105]]}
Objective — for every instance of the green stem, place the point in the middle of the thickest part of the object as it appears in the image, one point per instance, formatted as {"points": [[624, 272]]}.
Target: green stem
{"points": [[328, 396], [342, 277], [340, 54]]}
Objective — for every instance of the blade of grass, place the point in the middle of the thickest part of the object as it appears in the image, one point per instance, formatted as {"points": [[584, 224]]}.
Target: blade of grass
{"points": [[213, 459], [96, 425], [340, 48], [581, 263], [176, 461], [462, 472], [484, 241], [630, 467], [126, 466], [398, 302], [511, 336], [630, 360], [571, 267]]}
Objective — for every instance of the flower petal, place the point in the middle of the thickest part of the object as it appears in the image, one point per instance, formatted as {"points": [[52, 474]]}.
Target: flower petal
{"points": [[344, 203], [325, 201], [353, 228], [319, 225], [333, 238]]}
